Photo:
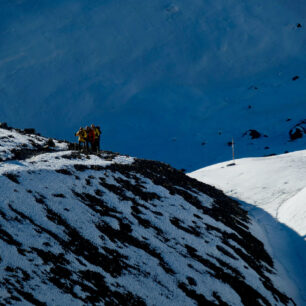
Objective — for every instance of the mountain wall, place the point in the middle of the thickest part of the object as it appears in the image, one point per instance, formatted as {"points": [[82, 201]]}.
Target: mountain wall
{"points": [[168, 80]]}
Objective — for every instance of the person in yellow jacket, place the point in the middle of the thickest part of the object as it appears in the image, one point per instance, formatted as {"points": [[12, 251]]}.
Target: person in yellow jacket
{"points": [[97, 132], [82, 136]]}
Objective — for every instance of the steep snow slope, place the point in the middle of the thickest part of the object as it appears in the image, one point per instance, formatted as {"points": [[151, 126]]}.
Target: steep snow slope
{"points": [[276, 185], [115, 230], [172, 74]]}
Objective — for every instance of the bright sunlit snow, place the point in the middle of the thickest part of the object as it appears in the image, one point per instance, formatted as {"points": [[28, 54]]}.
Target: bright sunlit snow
{"points": [[275, 185]]}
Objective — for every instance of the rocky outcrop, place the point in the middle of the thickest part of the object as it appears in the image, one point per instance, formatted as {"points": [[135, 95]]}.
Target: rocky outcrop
{"points": [[298, 130]]}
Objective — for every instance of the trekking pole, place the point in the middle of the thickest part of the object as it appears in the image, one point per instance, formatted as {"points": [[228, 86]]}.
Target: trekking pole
{"points": [[233, 150]]}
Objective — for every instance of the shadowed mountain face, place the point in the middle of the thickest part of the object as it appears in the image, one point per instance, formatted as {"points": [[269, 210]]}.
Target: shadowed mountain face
{"points": [[162, 78], [108, 229]]}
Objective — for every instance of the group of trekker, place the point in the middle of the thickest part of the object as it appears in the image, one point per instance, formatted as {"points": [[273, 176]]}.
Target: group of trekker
{"points": [[89, 138]]}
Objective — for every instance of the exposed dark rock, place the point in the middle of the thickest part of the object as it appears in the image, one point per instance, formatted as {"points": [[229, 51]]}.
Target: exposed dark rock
{"points": [[50, 143], [25, 152], [73, 155], [298, 130], [200, 299], [29, 297], [190, 229], [3, 125], [191, 281], [253, 134], [13, 177], [29, 131], [64, 171], [39, 199], [296, 133], [59, 195]]}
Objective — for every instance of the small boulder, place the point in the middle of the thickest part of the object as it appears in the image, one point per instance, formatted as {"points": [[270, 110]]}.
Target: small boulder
{"points": [[298, 130], [253, 134], [29, 131], [50, 143], [296, 133], [3, 125]]}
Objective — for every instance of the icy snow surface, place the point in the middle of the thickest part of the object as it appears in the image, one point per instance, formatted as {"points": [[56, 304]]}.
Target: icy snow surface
{"points": [[276, 185]]}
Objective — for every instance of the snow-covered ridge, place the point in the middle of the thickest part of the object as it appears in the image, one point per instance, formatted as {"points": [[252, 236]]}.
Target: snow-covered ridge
{"points": [[19, 144], [276, 184], [273, 189], [110, 229]]}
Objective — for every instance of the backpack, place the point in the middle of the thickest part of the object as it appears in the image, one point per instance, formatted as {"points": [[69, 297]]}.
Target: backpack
{"points": [[99, 130]]}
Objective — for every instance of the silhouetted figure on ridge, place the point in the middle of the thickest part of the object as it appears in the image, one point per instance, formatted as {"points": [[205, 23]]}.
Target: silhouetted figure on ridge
{"points": [[97, 132]]}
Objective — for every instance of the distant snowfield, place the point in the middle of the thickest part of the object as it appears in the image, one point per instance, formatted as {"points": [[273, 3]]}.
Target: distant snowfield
{"points": [[276, 185]]}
